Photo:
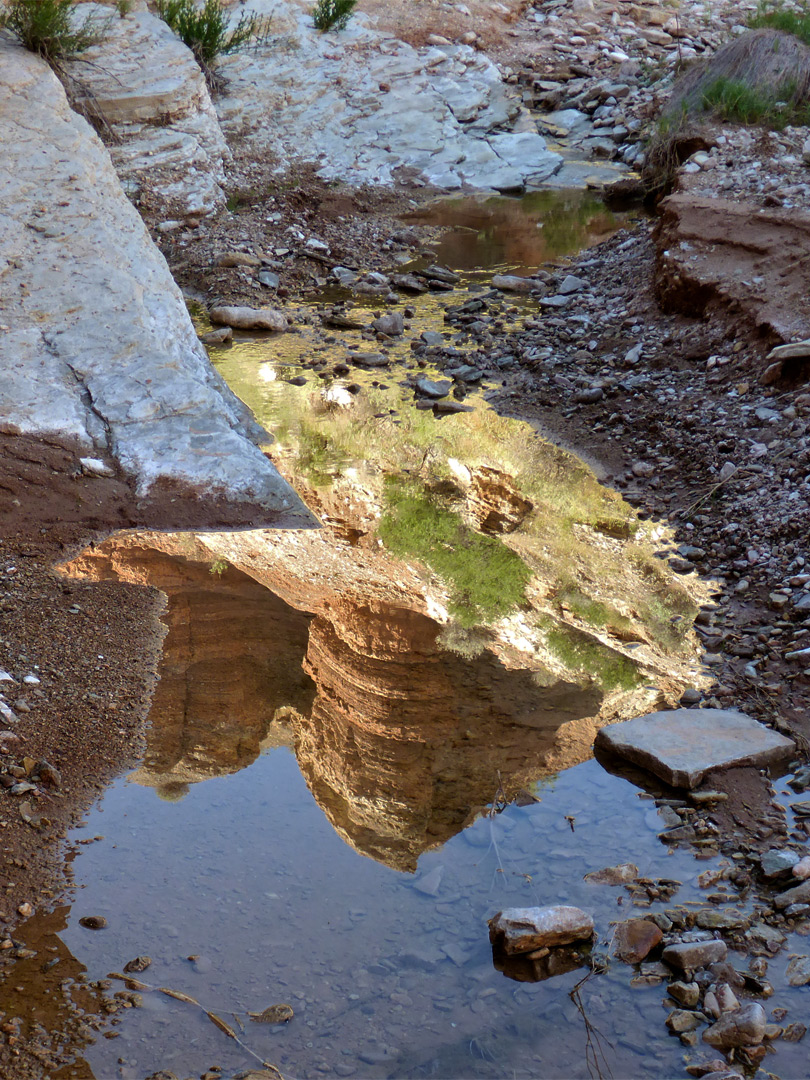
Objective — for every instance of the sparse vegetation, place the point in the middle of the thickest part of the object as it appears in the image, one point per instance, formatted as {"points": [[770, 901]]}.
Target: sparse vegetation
{"points": [[486, 579], [218, 567], [206, 29], [780, 17], [50, 29], [735, 100], [581, 653], [332, 14]]}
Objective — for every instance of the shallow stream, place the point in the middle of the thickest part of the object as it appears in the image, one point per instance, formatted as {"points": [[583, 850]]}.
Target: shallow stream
{"points": [[286, 842]]}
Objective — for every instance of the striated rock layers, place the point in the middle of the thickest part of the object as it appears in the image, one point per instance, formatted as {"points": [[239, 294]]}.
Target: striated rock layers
{"points": [[737, 257], [400, 741], [98, 349]]}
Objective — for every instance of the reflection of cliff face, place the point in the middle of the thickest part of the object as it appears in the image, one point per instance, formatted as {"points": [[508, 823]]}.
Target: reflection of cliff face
{"points": [[406, 741], [399, 740], [231, 659]]}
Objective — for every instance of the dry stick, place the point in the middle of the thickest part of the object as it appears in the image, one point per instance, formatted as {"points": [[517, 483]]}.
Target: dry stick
{"points": [[217, 1021], [690, 509]]}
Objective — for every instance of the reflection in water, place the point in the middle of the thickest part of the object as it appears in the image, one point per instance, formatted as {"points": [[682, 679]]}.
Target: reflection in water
{"points": [[400, 741], [503, 233]]}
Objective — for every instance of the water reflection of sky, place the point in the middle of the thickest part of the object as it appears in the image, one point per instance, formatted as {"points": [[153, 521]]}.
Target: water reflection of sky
{"points": [[246, 873]]}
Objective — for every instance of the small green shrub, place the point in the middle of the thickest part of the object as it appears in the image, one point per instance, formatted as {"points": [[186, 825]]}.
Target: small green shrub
{"points": [[332, 14], [218, 567], [205, 30], [46, 27]]}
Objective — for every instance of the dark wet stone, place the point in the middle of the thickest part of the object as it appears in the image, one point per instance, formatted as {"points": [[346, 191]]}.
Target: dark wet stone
{"points": [[93, 922], [140, 963]]}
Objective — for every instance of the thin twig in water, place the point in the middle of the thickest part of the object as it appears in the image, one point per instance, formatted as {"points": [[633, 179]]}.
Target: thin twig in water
{"points": [[595, 1057], [217, 1021]]}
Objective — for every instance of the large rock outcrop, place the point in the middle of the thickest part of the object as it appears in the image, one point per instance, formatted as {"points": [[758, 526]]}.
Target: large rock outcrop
{"points": [[143, 82], [98, 349], [369, 108]]}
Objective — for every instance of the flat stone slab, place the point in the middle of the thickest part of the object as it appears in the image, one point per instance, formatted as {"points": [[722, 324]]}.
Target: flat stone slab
{"points": [[680, 746], [520, 930]]}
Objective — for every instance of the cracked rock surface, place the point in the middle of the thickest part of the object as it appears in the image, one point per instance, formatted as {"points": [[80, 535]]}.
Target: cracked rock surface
{"points": [[98, 347]]}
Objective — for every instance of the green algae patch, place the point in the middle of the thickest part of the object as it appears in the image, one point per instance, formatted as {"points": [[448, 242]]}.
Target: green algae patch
{"points": [[486, 579]]}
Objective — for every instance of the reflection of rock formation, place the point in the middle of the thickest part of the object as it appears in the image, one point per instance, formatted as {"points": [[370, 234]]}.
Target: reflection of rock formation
{"points": [[406, 741], [231, 659], [400, 741]]}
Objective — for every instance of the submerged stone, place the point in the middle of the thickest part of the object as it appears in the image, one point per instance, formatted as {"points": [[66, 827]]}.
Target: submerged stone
{"points": [[680, 746], [521, 930]]}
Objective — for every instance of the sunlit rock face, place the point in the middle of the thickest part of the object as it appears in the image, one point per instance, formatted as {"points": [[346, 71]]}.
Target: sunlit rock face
{"points": [[406, 741], [401, 741], [231, 663]]}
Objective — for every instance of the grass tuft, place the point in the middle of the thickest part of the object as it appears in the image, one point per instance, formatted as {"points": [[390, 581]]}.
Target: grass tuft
{"points": [[486, 579], [580, 653], [779, 17]]}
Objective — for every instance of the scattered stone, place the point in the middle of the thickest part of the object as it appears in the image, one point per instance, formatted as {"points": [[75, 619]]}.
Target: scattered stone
{"points": [[682, 745], [743, 1027], [613, 875], [237, 258], [692, 955], [275, 1014], [391, 324], [680, 1020], [635, 939], [777, 862], [798, 895], [686, 994], [217, 337], [521, 930], [571, 284], [432, 389], [798, 971], [513, 283], [245, 318], [140, 963]]}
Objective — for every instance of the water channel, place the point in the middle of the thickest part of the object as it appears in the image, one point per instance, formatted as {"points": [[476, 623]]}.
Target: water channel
{"points": [[335, 797]]}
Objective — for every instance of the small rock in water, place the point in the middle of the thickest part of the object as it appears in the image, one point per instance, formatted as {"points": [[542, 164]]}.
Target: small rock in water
{"points": [[686, 994], [245, 318], [93, 922], [275, 1014], [778, 861], [680, 1020], [391, 324], [140, 963], [217, 337], [691, 955], [743, 1027], [519, 930], [430, 884], [635, 939], [513, 283], [613, 875], [798, 971]]}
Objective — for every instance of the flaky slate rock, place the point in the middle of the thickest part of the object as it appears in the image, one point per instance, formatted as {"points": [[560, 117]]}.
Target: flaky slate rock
{"points": [[521, 930], [680, 746]]}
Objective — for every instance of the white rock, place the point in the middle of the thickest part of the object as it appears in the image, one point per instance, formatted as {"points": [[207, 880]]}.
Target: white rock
{"points": [[100, 318], [519, 930], [95, 467]]}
